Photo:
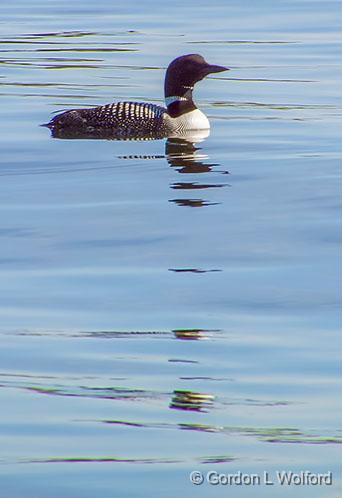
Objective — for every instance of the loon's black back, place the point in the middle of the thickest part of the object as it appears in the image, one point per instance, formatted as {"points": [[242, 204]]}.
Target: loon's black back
{"points": [[124, 118]]}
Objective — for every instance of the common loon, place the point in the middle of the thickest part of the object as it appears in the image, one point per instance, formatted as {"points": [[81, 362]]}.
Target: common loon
{"points": [[126, 119]]}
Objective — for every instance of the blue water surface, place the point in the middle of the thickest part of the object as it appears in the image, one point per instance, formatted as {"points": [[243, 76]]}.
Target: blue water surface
{"points": [[171, 307]]}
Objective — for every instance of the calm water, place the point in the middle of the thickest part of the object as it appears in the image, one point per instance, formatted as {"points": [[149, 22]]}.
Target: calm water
{"points": [[167, 306]]}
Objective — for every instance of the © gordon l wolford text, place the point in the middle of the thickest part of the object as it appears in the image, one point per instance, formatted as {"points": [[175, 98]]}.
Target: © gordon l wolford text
{"points": [[278, 477]]}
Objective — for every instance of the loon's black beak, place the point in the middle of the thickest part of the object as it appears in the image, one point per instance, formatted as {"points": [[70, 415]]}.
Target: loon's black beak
{"points": [[212, 68]]}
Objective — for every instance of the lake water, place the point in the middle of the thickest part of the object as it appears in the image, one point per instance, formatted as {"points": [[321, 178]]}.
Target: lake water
{"points": [[168, 306]]}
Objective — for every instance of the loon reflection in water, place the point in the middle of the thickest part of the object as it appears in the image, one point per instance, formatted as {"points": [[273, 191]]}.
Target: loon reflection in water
{"points": [[181, 152], [192, 401]]}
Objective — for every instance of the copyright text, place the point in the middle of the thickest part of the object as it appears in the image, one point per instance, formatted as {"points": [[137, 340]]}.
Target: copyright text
{"points": [[279, 477]]}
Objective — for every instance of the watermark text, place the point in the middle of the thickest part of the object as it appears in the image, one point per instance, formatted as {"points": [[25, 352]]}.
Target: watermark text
{"points": [[278, 477]]}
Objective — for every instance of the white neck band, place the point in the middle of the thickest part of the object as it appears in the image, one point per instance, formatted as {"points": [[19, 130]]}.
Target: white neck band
{"points": [[172, 99]]}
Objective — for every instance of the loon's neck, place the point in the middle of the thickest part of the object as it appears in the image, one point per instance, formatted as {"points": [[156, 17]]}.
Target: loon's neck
{"points": [[180, 102]]}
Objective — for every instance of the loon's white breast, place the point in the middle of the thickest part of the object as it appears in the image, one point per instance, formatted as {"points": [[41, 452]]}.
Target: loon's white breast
{"points": [[192, 120]]}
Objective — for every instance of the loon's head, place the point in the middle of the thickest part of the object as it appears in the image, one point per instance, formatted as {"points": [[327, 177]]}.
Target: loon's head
{"points": [[180, 78]]}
